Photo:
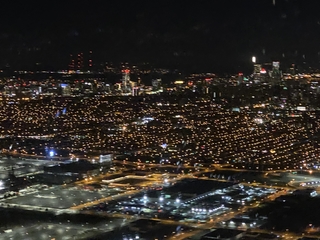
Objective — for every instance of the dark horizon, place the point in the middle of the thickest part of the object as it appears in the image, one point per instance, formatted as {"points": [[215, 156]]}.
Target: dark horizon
{"points": [[204, 36]]}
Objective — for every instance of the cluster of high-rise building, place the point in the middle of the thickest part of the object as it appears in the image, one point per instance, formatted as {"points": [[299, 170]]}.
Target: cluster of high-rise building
{"points": [[80, 62]]}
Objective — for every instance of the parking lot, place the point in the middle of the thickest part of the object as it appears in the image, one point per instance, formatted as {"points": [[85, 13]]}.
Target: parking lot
{"points": [[145, 229], [60, 197], [61, 231]]}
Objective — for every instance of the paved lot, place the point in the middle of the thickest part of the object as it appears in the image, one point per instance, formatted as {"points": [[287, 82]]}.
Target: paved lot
{"points": [[146, 231], [61, 231], [60, 197]]}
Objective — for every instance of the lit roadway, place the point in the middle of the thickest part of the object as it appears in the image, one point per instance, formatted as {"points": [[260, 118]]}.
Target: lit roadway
{"points": [[198, 227], [219, 167], [283, 235]]}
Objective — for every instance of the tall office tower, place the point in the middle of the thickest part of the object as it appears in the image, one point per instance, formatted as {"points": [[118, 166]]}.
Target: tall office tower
{"points": [[126, 80], [275, 74], [156, 83], [240, 79], [71, 63], [257, 68], [90, 63], [80, 62], [293, 69], [276, 69], [135, 91], [276, 66]]}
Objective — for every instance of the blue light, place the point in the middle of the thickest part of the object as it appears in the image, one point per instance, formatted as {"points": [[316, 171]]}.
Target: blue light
{"points": [[164, 145], [51, 153]]}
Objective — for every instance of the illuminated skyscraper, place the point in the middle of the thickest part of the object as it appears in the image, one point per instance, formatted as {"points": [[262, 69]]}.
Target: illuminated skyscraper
{"points": [[240, 79], [80, 62], [276, 69], [135, 91], [257, 68], [126, 80], [156, 84], [90, 63], [293, 69], [71, 63]]}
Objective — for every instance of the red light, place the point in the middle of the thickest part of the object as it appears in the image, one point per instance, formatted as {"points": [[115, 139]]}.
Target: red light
{"points": [[263, 71], [240, 74]]}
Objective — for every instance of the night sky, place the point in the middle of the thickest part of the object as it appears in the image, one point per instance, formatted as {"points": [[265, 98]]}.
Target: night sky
{"points": [[217, 36]]}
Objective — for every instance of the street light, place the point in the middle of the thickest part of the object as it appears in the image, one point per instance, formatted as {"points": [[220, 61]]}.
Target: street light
{"points": [[145, 199]]}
